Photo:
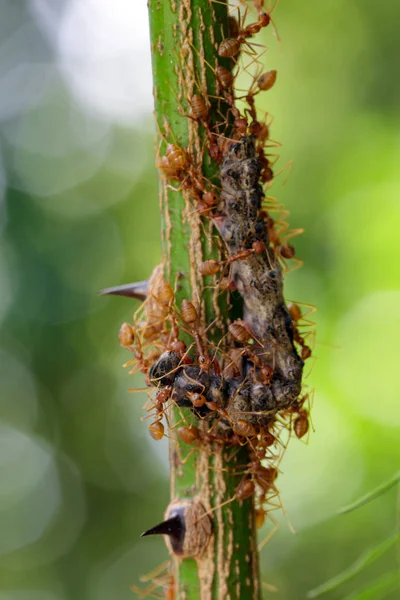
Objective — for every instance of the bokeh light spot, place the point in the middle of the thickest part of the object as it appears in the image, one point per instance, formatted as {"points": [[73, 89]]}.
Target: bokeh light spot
{"points": [[366, 365], [19, 405], [30, 491]]}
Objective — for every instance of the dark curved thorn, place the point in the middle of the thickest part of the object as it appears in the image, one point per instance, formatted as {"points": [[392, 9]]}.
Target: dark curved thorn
{"points": [[138, 290], [174, 527]]}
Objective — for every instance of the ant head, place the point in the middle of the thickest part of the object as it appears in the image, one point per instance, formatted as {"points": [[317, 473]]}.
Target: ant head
{"points": [[204, 362]]}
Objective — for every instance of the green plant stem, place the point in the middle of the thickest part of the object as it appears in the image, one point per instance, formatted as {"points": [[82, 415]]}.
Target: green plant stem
{"points": [[185, 35]]}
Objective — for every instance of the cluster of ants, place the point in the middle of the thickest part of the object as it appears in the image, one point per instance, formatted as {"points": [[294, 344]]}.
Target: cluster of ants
{"points": [[227, 386], [247, 386]]}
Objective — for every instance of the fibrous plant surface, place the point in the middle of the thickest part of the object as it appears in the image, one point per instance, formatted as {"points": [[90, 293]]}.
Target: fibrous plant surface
{"points": [[221, 350]]}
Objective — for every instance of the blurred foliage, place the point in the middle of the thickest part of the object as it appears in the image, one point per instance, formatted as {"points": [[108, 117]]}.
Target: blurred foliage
{"points": [[366, 559], [80, 477]]}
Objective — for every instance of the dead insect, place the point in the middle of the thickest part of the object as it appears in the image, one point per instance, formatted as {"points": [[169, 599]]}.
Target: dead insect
{"points": [[163, 371]]}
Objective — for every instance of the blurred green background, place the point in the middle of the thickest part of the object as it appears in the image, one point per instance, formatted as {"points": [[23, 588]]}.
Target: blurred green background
{"points": [[80, 478]]}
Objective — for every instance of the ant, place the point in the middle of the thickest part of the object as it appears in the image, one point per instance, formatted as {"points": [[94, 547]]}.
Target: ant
{"points": [[301, 423], [230, 47]]}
